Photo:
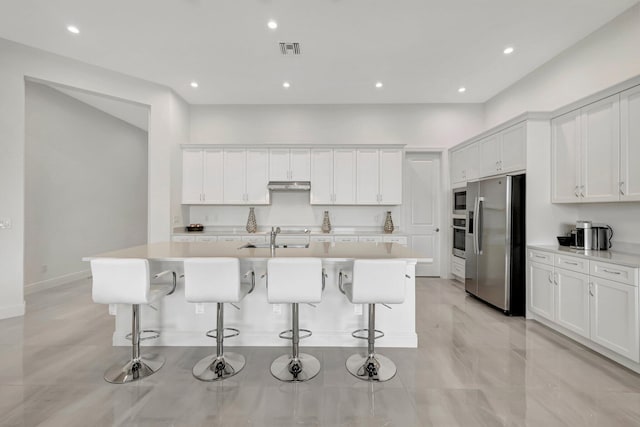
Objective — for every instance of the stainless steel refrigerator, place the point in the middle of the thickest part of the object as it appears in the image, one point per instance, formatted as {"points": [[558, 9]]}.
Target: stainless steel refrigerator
{"points": [[495, 242]]}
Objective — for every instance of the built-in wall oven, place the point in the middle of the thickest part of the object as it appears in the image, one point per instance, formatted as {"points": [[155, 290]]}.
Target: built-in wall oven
{"points": [[459, 201], [459, 236]]}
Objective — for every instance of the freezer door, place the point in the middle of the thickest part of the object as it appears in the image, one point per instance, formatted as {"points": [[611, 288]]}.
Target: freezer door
{"points": [[471, 280], [492, 263]]}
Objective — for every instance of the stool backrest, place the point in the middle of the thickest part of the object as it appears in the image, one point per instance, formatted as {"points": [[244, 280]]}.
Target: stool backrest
{"points": [[120, 281], [212, 280], [294, 280], [378, 281]]}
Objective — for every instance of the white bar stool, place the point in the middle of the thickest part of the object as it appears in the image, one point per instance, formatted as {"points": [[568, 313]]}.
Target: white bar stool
{"points": [[374, 281], [217, 280], [127, 281], [294, 281]]}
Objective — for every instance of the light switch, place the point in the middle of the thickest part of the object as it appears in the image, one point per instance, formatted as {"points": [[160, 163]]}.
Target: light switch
{"points": [[357, 309], [5, 223], [199, 308], [113, 309], [277, 309]]}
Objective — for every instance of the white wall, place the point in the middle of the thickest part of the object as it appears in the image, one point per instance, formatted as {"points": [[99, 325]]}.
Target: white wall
{"points": [[428, 125], [166, 129], [86, 185], [602, 59]]}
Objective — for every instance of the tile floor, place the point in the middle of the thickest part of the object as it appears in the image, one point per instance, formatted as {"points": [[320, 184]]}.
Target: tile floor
{"points": [[473, 367]]}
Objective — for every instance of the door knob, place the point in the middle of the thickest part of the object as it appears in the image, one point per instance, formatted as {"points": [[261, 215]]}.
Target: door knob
{"points": [[437, 230]]}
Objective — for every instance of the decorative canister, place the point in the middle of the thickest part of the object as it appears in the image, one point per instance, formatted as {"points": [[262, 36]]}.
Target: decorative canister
{"points": [[388, 223], [326, 223], [252, 225]]}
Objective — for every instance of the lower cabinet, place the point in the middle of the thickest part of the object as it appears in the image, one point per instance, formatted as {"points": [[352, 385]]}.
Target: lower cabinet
{"points": [[601, 310], [614, 316]]}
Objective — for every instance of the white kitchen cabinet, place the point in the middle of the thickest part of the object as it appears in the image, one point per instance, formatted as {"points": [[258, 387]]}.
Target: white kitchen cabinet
{"points": [[321, 239], [503, 152], [345, 239], [614, 316], [541, 290], [572, 301], [246, 174], [333, 177], [489, 149], [289, 164], [630, 144], [585, 146], [464, 164], [202, 174], [370, 239], [400, 240], [206, 239], [379, 177], [183, 238]]}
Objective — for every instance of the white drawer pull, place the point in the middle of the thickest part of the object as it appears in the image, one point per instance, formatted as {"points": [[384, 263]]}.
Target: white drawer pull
{"points": [[610, 272], [540, 256], [570, 263]]}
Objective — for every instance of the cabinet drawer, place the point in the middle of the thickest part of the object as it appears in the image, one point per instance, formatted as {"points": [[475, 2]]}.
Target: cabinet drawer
{"points": [[229, 238], [540, 257], [345, 239], [183, 238], [572, 263], [618, 273], [291, 240], [457, 269], [206, 238], [370, 239], [322, 239], [401, 240], [254, 239]]}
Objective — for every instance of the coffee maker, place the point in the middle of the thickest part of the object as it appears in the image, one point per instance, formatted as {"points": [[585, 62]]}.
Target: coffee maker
{"points": [[589, 236], [583, 234]]}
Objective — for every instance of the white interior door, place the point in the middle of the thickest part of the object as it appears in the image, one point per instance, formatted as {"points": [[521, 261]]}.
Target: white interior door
{"points": [[422, 210]]}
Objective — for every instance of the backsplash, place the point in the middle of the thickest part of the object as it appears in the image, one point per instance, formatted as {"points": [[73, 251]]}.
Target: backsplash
{"points": [[293, 209]]}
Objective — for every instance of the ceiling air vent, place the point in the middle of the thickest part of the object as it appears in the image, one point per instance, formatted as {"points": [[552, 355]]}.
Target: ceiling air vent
{"points": [[292, 48]]}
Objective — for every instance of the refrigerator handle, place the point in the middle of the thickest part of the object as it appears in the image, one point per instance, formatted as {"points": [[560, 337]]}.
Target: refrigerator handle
{"points": [[479, 225], [475, 226]]}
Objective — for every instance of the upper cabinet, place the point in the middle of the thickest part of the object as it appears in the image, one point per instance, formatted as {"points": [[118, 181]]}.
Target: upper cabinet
{"points": [[201, 175], [333, 176], [379, 176], [630, 144], [289, 164], [585, 154], [503, 152], [464, 164]]}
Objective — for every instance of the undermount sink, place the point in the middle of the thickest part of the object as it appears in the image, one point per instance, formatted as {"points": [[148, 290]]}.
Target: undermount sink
{"points": [[278, 246]]}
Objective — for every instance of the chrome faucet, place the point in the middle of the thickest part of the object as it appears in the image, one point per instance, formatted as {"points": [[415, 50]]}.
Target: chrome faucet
{"points": [[272, 242]]}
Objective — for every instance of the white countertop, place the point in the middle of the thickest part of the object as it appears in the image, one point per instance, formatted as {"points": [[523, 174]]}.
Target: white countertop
{"points": [[240, 231], [178, 251], [621, 258]]}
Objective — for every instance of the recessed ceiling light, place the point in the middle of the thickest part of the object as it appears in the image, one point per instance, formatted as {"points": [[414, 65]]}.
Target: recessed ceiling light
{"points": [[462, 89], [286, 85], [508, 50], [194, 84], [73, 29], [378, 85], [272, 24]]}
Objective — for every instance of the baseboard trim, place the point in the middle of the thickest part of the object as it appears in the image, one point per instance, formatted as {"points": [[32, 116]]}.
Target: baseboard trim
{"points": [[12, 311], [56, 281]]}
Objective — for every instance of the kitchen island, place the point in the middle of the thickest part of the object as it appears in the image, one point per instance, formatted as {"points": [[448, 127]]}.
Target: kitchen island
{"points": [[332, 321]]}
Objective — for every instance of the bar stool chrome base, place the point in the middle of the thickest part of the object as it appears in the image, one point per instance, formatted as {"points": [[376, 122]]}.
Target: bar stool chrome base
{"points": [[214, 368], [290, 369], [372, 367], [134, 369]]}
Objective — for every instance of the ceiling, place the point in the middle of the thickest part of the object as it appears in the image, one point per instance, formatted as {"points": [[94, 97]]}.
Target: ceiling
{"points": [[421, 50]]}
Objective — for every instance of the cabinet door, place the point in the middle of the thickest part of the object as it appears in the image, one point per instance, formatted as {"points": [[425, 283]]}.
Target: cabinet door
{"points": [[457, 167], [300, 164], [213, 177], [600, 137], [279, 164], [234, 176], [514, 148], [630, 144], [391, 176], [344, 177], [565, 155], [321, 177], [470, 158], [257, 170], [572, 301], [489, 155], [541, 290], [368, 177], [614, 316], [192, 170]]}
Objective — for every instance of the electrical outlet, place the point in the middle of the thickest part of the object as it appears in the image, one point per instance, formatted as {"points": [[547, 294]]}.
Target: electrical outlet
{"points": [[277, 309], [5, 223], [176, 220], [113, 309], [199, 308], [357, 309]]}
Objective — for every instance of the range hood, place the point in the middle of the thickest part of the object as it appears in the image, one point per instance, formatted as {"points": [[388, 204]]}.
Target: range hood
{"points": [[289, 185]]}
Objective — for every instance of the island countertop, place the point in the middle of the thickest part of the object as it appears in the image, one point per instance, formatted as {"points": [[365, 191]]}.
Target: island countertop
{"points": [[177, 251]]}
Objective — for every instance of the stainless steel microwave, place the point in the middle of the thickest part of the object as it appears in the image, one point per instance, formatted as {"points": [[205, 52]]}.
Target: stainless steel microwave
{"points": [[460, 201]]}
